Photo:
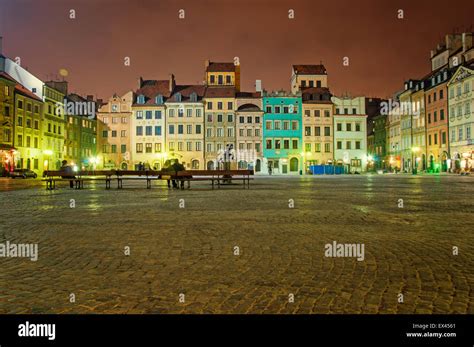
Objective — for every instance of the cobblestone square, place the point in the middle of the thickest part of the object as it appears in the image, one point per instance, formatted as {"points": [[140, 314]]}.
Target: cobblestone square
{"points": [[191, 250]]}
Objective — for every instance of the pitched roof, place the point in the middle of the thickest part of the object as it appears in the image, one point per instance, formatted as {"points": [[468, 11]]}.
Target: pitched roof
{"points": [[186, 91], [310, 69], [151, 88], [220, 92], [220, 67]]}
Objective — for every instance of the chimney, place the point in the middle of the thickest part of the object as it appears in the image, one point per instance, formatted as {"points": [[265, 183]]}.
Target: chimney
{"points": [[140, 82], [466, 41], [172, 83], [258, 86], [207, 62]]}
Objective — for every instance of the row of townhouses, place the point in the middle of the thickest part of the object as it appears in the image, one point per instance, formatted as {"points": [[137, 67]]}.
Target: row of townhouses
{"points": [[426, 126]]}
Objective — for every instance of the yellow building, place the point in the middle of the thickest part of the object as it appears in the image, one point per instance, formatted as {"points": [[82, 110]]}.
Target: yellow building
{"points": [[54, 124], [308, 76], [7, 107], [28, 130], [222, 75]]}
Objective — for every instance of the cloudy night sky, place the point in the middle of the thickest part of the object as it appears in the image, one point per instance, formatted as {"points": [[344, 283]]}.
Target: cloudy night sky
{"points": [[383, 50]]}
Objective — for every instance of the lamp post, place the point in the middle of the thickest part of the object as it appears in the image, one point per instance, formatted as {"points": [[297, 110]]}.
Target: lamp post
{"points": [[48, 153], [414, 160]]}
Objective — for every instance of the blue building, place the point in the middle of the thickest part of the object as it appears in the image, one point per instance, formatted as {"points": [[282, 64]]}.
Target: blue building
{"points": [[282, 133]]}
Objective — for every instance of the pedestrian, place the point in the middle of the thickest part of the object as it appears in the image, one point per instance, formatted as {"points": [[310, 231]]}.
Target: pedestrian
{"points": [[68, 173], [177, 167], [270, 169]]}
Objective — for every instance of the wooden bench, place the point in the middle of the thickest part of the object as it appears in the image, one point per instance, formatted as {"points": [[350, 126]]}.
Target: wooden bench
{"points": [[78, 178], [219, 177]]}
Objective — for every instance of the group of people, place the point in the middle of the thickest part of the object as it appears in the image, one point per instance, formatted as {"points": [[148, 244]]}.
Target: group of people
{"points": [[173, 166]]}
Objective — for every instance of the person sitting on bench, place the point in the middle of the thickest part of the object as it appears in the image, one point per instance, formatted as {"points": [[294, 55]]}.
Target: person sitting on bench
{"points": [[68, 170]]}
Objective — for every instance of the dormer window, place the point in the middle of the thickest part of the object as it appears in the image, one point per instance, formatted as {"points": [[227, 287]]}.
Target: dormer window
{"points": [[141, 99], [178, 97], [193, 97], [159, 99]]}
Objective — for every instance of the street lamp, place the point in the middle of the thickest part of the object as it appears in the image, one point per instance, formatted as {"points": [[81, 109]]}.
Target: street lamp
{"points": [[414, 158], [48, 153]]}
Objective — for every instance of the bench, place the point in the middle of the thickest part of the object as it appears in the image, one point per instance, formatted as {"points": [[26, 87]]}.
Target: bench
{"points": [[78, 178], [221, 177]]}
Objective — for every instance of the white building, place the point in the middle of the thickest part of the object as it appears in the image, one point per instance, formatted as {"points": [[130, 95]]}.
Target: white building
{"points": [[461, 118], [350, 133]]}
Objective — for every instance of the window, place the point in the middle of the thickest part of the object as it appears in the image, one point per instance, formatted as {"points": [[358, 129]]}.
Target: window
{"points": [[435, 139], [285, 109], [171, 112], [171, 146], [249, 119], [357, 126], [230, 105], [219, 118], [157, 147], [189, 146], [348, 126], [209, 117], [268, 109], [148, 147], [317, 113], [357, 144], [7, 91], [286, 144], [104, 149], [209, 105], [307, 131], [189, 129], [268, 125], [124, 120], [441, 94], [171, 129], [277, 109], [468, 132], [327, 131], [354, 111], [104, 132], [441, 114], [257, 147], [317, 147], [180, 129], [269, 144], [220, 132], [443, 137], [230, 132], [219, 105], [123, 133], [307, 147], [327, 148], [307, 113], [241, 120], [295, 144], [198, 128], [20, 104], [327, 114], [180, 112], [460, 134], [198, 146], [227, 79], [294, 125], [230, 118], [277, 144], [158, 114], [209, 132], [139, 116], [114, 133], [435, 116], [123, 148], [277, 125], [317, 131], [339, 126], [113, 149], [139, 147], [157, 130], [339, 145], [139, 130], [348, 144], [198, 112]]}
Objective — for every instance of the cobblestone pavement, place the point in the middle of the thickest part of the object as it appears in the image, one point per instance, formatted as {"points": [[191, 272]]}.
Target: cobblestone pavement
{"points": [[190, 250]]}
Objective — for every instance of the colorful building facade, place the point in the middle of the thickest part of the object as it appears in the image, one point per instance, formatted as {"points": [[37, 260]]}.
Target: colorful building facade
{"points": [[282, 133]]}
